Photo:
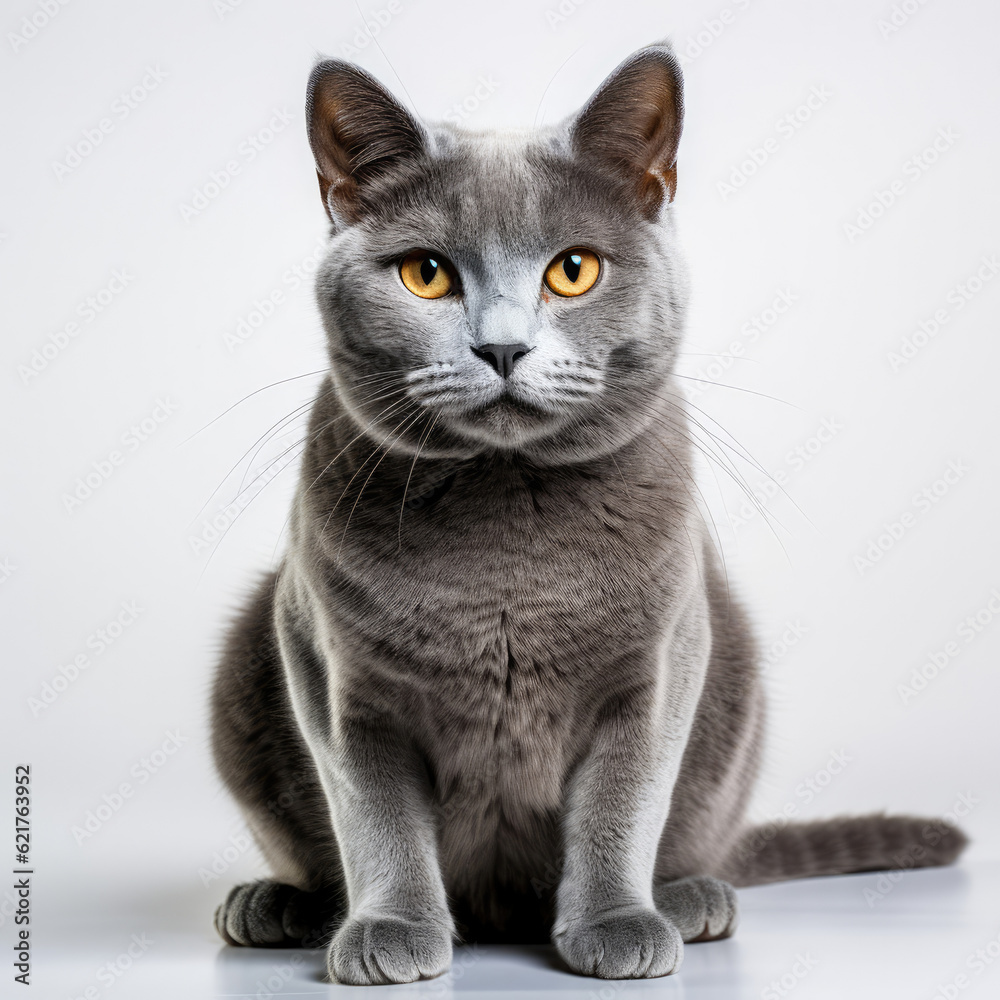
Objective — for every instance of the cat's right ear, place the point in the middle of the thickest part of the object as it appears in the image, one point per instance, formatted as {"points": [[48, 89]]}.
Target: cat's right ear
{"points": [[358, 132]]}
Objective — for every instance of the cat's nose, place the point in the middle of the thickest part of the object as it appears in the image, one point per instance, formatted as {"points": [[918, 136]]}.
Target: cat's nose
{"points": [[501, 357]]}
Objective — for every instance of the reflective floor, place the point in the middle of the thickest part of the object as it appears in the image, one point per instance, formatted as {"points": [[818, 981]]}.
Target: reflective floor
{"points": [[929, 935]]}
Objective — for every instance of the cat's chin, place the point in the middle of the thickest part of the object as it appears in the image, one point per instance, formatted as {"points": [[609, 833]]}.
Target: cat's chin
{"points": [[508, 423], [543, 436]]}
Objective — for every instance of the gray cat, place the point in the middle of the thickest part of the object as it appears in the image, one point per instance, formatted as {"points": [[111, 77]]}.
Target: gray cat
{"points": [[498, 689]]}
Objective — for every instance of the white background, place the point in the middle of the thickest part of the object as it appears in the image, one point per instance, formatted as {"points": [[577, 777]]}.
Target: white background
{"points": [[861, 632]]}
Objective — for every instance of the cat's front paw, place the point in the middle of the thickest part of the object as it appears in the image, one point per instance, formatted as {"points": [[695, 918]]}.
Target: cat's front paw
{"points": [[633, 943], [701, 907], [269, 914], [377, 950]]}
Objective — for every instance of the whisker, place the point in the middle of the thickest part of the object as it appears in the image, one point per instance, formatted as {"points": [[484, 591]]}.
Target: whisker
{"points": [[685, 431], [620, 476], [688, 480], [360, 434], [737, 388], [229, 527], [706, 354], [357, 499], [742, 485], [275, 428], [267, 465], [282, 381], [740, 450], [331, 463], [365, 401], [267, 436], [357, 472], [420, 444], [263, 440], [378, 45]]}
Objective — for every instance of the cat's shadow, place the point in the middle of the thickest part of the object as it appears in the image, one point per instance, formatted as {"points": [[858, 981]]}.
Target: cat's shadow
{"points": [[249, 971], [514, 968]]}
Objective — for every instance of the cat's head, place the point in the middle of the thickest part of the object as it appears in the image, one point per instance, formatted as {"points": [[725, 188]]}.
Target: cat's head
{"points": [[517, 291]]}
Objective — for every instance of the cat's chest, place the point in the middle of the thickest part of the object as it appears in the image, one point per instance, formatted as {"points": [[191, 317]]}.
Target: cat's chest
{"points": [[537, 575], [497, 621]]}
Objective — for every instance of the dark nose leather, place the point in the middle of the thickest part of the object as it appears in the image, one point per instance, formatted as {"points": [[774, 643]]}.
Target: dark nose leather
{"points": [[501, 357]]}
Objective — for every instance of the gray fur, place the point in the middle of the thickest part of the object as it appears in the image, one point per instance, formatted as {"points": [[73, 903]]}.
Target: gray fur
{"points": [[498, 688]]}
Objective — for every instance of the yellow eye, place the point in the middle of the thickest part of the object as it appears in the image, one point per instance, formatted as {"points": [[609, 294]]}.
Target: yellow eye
{"points": [[425, 274], [573, 272]]}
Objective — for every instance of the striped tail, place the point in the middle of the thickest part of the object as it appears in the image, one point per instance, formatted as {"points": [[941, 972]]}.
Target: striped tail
{"points": [[774, 852]]}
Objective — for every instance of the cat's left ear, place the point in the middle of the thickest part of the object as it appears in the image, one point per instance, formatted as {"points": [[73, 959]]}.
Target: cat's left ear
{"points": [[358, 133], [632, 125]]}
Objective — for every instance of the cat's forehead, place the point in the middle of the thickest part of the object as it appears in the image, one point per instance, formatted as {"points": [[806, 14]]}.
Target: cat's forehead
{"points": [[505, 192], [494, 188], [497, 156]]}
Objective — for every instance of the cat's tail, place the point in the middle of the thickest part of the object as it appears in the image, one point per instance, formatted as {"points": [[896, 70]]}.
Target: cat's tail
{"points": [[777, 851]]}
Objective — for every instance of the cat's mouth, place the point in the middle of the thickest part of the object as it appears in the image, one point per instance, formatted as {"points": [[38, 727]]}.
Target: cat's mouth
{"points": [[507, 406], [507, 421]]}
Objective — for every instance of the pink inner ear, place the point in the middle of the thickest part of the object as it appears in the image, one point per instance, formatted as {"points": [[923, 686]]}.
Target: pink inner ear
{"points": [[339, 199], [655, 182]]}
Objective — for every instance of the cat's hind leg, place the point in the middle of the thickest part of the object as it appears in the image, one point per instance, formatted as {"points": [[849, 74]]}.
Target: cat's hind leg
{"points": [[702, 908], [269, 914]]}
